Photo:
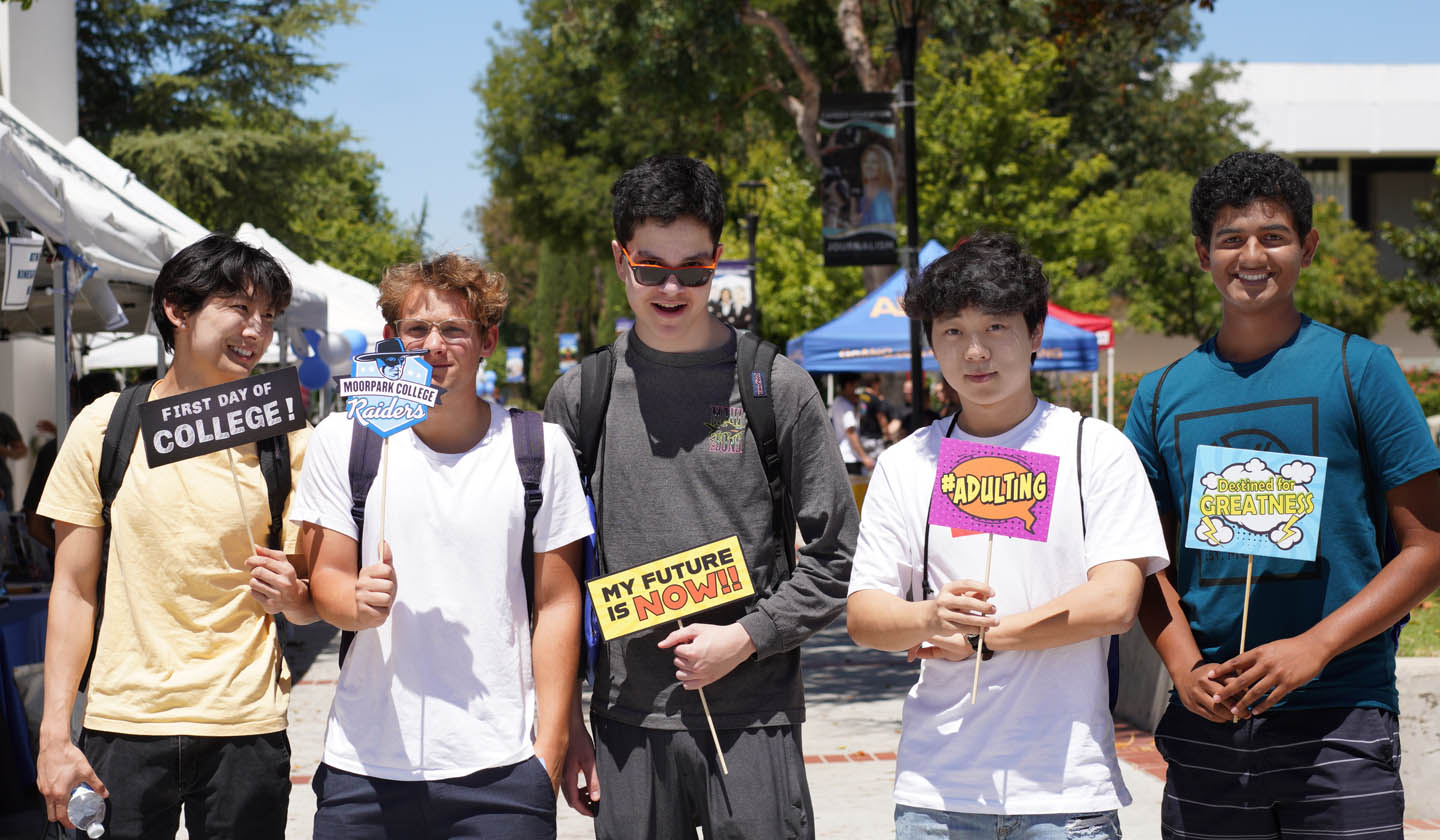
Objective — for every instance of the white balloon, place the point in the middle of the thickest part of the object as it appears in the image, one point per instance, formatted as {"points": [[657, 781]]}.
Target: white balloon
{"points": [[335, 349]]}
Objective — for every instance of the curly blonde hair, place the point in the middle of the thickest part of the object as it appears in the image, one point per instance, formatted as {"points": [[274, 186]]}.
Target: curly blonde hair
{"points": [[486, 292]]}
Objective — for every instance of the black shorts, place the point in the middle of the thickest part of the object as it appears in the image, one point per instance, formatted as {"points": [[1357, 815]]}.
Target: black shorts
{"points": [[502, 803], [231, 787], [659, 784], [1304, 773]]}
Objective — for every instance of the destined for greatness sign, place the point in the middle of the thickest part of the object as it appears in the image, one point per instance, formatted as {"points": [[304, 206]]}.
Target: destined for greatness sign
{"points": [[670, 588], [221, 416]]}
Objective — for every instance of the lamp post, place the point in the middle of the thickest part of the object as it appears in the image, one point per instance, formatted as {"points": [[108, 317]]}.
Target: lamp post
{"points": [[752, 200]]}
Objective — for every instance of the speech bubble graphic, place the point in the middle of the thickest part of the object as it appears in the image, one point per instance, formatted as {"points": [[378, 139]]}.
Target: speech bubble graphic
{"points": [[992, 489], [1246, 501]]}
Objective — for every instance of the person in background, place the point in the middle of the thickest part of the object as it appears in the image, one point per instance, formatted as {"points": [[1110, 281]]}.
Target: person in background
{"points": [[845, 423], [88, 389], [12, 448]]}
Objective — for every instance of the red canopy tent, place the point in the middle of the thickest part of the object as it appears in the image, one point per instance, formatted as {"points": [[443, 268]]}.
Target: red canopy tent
{"points": [[1104, 329]]}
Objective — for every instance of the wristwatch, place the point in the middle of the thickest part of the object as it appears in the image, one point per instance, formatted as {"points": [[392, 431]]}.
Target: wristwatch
{"points": [[973, 639]]}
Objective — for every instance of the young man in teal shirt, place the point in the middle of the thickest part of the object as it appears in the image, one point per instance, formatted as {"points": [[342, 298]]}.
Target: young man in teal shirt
{"points": [[1298, 735]]}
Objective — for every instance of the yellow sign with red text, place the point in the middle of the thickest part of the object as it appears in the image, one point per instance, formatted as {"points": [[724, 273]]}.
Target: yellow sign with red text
{"points": [[670, 588]]}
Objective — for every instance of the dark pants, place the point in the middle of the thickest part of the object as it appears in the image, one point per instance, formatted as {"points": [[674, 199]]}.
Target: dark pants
{"points": [[1305, 774], [659, 784], [233, 788], [503, 803]]}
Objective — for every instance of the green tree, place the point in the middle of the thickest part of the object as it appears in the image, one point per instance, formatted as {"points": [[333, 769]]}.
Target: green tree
{"points": [[991, 156], [1419, 289], [196, 97]]}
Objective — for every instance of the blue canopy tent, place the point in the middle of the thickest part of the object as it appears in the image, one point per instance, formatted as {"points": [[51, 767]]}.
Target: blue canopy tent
{"points": [[874, 336]]}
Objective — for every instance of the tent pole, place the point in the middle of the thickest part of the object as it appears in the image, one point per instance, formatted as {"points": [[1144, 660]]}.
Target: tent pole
{"points": [[1110, 385], [829, 389], [1095, 392], [60, 303]]}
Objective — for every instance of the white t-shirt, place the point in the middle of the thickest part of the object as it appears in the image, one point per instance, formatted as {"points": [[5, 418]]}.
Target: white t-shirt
{"points": [[842, 417], [1040, 740], [443, 688]]}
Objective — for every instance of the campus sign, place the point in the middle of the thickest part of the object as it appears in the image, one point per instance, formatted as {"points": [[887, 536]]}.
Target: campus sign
{"points": [[1247, 501], [670, 588], [993, 490], [222, 416]]}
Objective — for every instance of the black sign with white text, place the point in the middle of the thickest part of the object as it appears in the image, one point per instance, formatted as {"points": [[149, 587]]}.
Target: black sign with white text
{"points": [[216, 418]]}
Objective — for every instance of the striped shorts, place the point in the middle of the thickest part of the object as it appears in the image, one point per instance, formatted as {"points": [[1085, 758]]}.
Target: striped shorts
{"points": [[1310, 773]]}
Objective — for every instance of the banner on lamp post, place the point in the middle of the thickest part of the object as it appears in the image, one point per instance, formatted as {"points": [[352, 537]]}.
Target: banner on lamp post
{"points": [[858, 185]]}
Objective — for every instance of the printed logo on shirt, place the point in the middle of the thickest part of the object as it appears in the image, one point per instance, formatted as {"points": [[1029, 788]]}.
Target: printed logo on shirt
{"points": [[727, 429]]}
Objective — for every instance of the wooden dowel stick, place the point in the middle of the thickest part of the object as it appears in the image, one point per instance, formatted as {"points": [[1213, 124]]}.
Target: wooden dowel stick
{"points": [[705, 704], [980, 649], [384, 485], [244, 514], [1245, 613]]}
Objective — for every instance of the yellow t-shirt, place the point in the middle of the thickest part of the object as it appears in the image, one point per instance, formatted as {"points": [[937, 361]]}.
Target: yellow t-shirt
{"points": [[184, 648]]}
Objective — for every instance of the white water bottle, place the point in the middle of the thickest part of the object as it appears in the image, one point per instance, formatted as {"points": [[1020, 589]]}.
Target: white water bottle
{"points": [[87, 810]]}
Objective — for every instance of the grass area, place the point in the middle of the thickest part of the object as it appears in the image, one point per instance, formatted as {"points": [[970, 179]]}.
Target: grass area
{"points": [[1421, 637]]}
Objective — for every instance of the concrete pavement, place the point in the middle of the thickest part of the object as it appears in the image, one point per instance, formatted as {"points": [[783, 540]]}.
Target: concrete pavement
{"points": [[854, 704]]}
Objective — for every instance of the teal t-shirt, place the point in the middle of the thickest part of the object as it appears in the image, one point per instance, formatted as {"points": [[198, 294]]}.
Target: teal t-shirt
{"points": [[1293, 400]]}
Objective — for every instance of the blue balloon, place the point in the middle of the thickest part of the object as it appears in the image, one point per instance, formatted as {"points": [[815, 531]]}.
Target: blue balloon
{"points": [[490, 376], [357, 341], [313, 337], [314, 373]]}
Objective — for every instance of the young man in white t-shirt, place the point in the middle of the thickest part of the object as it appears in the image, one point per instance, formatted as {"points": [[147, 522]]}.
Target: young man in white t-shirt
{"points": [[430, 734], [845, 420], [1032, 754]]}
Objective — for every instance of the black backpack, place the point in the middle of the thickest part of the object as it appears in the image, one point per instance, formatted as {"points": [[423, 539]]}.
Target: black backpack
{"points": [[119, 442], [528, 432]]}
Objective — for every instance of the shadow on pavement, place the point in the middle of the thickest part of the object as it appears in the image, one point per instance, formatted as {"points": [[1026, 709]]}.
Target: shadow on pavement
{"points": [[839, 671]]}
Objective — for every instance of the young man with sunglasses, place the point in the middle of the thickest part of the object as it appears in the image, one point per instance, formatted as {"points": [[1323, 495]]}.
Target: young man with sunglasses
{"points": [[675, 470], [430, 732]]}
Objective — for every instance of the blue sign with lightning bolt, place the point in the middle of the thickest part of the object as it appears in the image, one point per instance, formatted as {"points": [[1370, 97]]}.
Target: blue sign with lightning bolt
{"points": [[1246, 501]]}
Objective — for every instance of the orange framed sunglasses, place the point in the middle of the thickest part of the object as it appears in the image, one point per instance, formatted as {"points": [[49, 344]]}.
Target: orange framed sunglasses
{"points": [[650, 274]]}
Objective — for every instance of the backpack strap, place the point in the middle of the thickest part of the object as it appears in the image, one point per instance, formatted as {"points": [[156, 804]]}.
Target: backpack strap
{"points": [[1079, 482], [529, 435], [754, 363], [1379, 515], [275, 466], [364, 464], [597, 373], [119, 441]]}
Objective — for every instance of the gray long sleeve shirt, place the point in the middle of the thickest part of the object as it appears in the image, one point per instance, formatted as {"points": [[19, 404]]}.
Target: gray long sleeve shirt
{"points": [[677, 469]]}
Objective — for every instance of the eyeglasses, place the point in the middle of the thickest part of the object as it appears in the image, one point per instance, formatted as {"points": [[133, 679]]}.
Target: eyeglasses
{"points": [[650, 274], [452, 330]]}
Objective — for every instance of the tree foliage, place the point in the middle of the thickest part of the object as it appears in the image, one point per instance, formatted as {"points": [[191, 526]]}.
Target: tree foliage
{"points": [[196, 97], [1056, 120], [1419, 289]]}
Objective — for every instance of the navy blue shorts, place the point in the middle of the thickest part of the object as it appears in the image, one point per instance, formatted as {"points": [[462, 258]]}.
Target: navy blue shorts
{"points": [[503, 803], [1317, 773]]}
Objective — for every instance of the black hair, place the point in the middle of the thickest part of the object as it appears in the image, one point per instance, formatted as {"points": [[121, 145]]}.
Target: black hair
{"points": [[216, 265], [666, 188], [91, 387], [989, 272], [845, 380], [1247, 177]]}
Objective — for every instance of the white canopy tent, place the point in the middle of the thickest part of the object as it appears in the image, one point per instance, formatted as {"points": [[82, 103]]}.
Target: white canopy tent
{"points": [[107, 237], [346, 303]]}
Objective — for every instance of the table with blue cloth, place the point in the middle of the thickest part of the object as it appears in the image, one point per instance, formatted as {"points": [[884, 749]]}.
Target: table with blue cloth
{"points": [[22, 631]]}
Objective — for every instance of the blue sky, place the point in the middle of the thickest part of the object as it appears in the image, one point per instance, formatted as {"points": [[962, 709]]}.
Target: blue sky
{"points": [[405, 88]]}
